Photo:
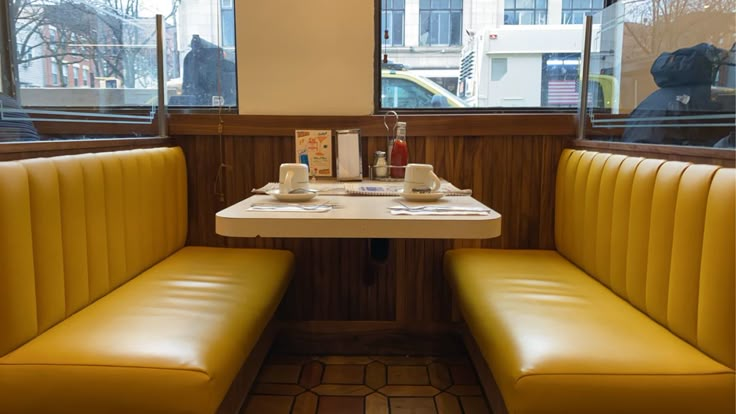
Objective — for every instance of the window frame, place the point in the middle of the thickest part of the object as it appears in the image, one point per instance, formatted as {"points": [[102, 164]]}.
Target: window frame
{"points": [[536, 12], [392, 14], [451, 13], [572, 9]]}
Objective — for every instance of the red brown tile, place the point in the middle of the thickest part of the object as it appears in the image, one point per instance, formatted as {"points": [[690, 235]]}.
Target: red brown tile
{"points": [[305, 404], [311, 374], [343, 374], [376, 404], [447, 404], [375, 375], [405, 374], [339, 389], [409, 391], [412, 406], [340, 405]]}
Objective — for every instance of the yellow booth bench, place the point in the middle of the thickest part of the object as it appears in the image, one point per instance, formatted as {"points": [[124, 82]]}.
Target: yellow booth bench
{"points": [[102, 307], [634, 310]]}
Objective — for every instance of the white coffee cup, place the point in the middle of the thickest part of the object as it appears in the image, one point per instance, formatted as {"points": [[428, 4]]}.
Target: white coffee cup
{"points": [[293, 176], [420, 176]]}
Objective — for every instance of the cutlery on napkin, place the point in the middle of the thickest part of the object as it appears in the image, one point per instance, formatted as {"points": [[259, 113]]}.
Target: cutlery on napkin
{"points": [[291, 207], [439, 210]]}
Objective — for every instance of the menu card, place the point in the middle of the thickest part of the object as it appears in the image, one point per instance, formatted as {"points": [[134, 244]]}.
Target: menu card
{"points": [[314, 147]]}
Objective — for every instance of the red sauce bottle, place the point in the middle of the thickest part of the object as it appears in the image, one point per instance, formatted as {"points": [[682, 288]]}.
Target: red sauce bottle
{"points": [[399, 151]]}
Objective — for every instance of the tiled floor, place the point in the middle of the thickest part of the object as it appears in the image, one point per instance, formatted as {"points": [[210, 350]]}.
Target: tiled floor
{"points": [[366, 385]]}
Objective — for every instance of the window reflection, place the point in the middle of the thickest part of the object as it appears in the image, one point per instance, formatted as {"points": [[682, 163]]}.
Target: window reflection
{"points": [[670, 86]]}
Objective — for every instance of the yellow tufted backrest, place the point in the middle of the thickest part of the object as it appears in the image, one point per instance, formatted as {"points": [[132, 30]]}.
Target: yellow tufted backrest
{"points": [[73, 228], [658, 233]]}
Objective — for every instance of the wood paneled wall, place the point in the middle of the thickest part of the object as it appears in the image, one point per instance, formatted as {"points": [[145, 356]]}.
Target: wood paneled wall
{"points": [[335, 278]]}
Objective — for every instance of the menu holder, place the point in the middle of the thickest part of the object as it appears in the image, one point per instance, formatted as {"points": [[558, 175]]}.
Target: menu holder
{"points": [[349, 165], [314, 148]]}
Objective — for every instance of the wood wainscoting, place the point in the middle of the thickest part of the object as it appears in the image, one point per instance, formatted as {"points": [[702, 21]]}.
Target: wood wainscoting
{"points": [[514, 173]]}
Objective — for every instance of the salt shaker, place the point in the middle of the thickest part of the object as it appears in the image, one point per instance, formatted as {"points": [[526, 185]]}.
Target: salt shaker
{"points": [[380, 168]]}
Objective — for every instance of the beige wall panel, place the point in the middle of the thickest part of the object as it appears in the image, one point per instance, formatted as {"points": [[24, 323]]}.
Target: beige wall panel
{"points": [[305, 57]]}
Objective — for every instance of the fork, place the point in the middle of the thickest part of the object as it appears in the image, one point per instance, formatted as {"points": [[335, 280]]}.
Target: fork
{"points": [[275, 206], [441, 208]]}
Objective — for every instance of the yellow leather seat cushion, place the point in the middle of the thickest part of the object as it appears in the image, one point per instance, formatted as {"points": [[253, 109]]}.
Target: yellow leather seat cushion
{"points": [[173, 337], [558, 341]]}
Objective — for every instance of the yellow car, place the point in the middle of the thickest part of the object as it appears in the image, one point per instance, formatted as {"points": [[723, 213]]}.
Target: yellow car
{"points": [[404, 89]]}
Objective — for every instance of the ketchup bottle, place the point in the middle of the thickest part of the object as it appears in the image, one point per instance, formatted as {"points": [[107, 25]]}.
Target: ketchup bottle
{"points": [[399, 151]]}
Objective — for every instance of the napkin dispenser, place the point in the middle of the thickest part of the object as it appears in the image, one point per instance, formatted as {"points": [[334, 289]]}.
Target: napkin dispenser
{"points": [[349, 162]]}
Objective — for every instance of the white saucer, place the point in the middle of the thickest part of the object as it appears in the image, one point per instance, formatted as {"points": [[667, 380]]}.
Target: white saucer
{"points": [[297, 197], [422, 196]]}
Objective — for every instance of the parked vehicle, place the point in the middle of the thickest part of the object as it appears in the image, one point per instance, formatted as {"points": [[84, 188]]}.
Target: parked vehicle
{"points": [[547, 74], [400, 88]]}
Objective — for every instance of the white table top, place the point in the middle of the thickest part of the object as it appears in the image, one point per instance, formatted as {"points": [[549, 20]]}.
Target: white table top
{"points": [[357, 217]]}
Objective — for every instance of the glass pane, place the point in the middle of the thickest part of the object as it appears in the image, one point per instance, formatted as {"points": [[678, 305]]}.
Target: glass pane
{"points": [[456, 25], [399, 4], [457, 4], [119, 52], [435, 25], [509, 4], [542, 4], [424, 28], [425, 4], [598, 4], [566, 4], [581, 4], [578, 17], [524, 4], [228, 28], [648, 95], [440, 4], [398, 29], [526, 17], [541, 17], [509, 17]]}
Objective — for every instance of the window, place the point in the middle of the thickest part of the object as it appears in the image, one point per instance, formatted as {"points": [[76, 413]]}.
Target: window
{"points": [[440, 22], [114, 42], [228, 23], [574, 11], [392, 22], [525, 12], [54, 74]]}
